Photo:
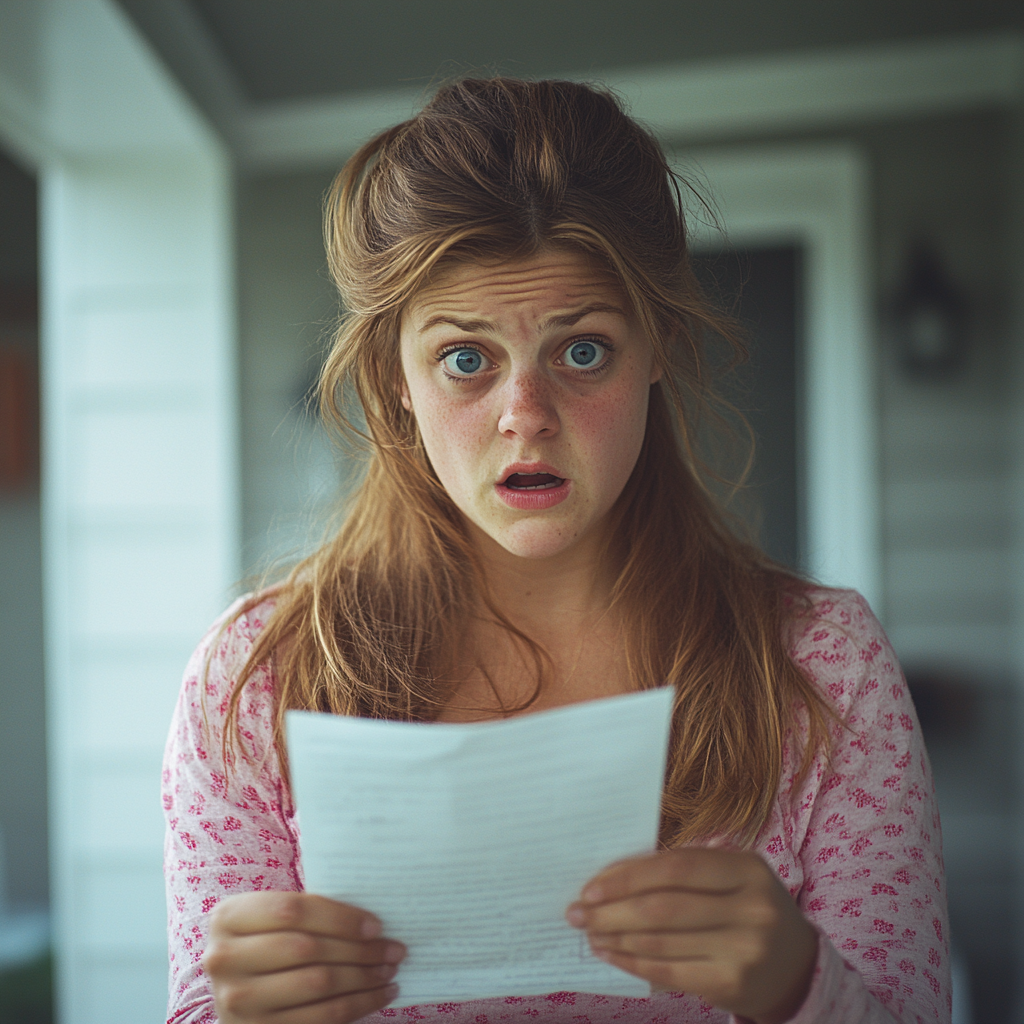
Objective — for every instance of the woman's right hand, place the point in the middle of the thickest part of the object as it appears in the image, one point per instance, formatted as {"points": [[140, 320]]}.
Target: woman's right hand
{"points": [[296, 958]]}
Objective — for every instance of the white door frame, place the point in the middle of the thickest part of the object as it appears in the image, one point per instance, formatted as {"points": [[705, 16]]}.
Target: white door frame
{"points": [[816, 197]]}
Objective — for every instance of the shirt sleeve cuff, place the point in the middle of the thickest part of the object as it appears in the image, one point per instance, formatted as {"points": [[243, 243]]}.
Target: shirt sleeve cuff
{"points": [[837, 994]]}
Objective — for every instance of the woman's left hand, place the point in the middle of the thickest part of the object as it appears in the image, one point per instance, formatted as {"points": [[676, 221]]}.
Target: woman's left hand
{"points": [[715, 923]]}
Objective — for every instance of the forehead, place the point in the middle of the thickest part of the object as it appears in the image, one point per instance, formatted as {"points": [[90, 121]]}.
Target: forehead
{"points": [[545, 283]]}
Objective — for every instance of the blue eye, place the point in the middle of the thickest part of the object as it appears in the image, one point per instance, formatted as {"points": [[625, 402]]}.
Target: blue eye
{"points": [[584, 355], [463, 362]]}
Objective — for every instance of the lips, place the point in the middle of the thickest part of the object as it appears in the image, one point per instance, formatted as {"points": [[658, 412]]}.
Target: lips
{"points": [[532, 487]]}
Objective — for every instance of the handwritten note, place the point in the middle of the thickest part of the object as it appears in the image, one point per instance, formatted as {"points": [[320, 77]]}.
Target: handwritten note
{"points": [[469, 841]]}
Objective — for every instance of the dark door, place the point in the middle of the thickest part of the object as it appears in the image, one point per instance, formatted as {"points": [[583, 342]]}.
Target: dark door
{"points": [[762, 288]]}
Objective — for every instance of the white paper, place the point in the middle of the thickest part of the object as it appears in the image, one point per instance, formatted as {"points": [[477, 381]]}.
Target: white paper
{"points": [[469, 841]]}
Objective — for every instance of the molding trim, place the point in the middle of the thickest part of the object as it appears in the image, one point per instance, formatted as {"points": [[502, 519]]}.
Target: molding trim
{"points": [[811, 90], [705, 101], [816, 196]]}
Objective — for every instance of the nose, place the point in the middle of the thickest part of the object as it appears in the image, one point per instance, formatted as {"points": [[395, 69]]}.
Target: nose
{"points": [[528, 408]]}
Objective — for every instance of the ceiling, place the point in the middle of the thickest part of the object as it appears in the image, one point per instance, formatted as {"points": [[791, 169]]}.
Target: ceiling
{"points": [[273, 50]]}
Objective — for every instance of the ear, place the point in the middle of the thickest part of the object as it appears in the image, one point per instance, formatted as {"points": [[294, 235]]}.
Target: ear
{"points": [[406, 400]]}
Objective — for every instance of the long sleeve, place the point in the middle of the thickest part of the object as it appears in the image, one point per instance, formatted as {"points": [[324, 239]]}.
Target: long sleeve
{"points": [[225, 834], [859, 842]]}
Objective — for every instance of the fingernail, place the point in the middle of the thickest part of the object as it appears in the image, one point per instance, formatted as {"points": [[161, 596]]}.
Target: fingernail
{"points": [[394, 953], [592, 893], [391, 991], [385, 971], [575, 917], [370, 928]]}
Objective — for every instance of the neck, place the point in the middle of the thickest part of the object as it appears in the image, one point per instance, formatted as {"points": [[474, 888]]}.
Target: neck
{"points": [[547, 597]]}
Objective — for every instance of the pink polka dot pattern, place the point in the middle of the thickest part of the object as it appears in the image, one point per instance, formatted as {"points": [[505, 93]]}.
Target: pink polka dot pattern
{"points": [[858, 844]]}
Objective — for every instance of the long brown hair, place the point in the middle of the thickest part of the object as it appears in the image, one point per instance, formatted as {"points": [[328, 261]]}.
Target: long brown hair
{"points": [[499, 170]]}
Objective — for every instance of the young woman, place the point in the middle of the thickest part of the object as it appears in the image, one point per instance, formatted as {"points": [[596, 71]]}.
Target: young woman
{"points": [[524, 338]]}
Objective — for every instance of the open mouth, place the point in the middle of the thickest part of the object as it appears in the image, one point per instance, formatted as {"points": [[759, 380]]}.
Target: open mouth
{"points": [[532, 481]]}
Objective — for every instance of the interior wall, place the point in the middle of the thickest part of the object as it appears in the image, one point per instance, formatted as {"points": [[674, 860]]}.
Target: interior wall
{"points": [[23, 804]]}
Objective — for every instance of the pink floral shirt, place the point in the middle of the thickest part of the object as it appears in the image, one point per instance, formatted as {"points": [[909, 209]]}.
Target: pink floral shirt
{"points": [[857, 844]]}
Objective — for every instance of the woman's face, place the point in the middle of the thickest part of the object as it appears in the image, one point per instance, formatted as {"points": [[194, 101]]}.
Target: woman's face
{"points": [[529, 382]]}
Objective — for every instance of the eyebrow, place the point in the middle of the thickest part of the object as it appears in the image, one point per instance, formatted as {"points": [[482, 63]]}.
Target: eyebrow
{"points": [[488, 326]]}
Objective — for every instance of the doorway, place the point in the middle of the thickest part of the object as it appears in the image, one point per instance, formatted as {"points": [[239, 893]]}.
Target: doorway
{"points": [[813, 201], [762, 288]]}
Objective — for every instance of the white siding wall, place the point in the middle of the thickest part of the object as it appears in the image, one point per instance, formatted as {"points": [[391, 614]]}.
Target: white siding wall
{"points": [[946, 451], [948, 518], [138, 539], [139, 490], [948, 510]]}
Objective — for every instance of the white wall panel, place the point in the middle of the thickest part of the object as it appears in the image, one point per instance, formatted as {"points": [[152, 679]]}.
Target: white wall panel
{"points": [[120, 807], [977, 650], [144, 339], [108, 197], [945, 512], [121, 909], [157, 583], [124, 701], [139, 463], [139, 984], [968, 583], [143, 458]]}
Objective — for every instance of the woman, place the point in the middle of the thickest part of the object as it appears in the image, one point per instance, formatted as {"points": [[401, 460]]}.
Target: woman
{"points": [[525, 337]]}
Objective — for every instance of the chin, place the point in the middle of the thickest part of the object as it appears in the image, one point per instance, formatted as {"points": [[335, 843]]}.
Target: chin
{"points": [[536, 540]]}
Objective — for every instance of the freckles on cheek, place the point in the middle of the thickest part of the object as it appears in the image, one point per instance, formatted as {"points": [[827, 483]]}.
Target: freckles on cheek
{"points": [[452, 433], [612, 430]]}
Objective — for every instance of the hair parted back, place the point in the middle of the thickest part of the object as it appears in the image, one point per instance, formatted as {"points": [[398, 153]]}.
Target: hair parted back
{"points": [[495, 170]]}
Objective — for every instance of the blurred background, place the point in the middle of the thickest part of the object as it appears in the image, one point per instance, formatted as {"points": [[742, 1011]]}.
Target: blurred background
{"points": [[164, 307]]}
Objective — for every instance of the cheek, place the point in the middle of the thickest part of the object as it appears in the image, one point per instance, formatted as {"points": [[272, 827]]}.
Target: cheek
{"points": [[453, 432], [611, 432]]}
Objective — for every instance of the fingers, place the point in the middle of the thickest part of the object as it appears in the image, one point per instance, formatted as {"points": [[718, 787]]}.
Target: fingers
{"points": [[714, 922], [251, 996], [717, 981], [672, 910], [732, 973], [712, 944], [297, 958], [279, 951], [256, 912], [696, 868]]}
